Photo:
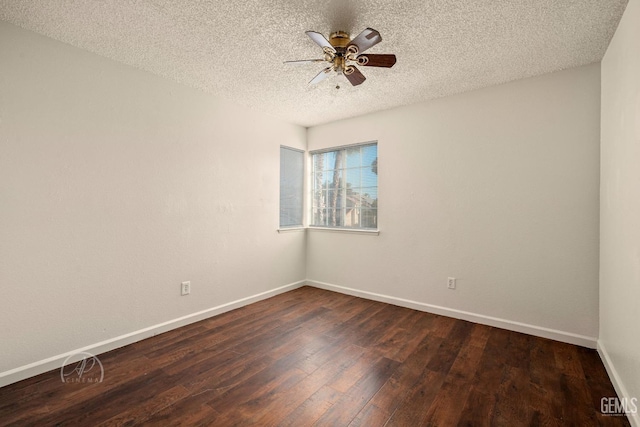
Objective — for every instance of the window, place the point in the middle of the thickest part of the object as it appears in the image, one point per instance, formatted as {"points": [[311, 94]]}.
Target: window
{"points": [[345, 187], [291, 191]]}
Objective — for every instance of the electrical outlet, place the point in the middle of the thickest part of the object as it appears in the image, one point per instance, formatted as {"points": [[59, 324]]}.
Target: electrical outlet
{"points": [[185, 288], [451, 283]]}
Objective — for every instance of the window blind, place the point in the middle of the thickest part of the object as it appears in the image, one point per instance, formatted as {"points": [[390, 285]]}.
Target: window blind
{"points": [[291, 187]]}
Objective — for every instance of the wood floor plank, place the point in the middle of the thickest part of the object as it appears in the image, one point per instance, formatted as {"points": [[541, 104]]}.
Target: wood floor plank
{"points": [[194, 364], [350, 376], [370, 415], [568, 360], [466, 364], [519, 346], [491, 369], [308, 355], [415, 408], [479, 335], [242, 402], [513, 397], [277, 407], [540, 419], [131, 394], [445, 408], [286, 402], [330, 354], [404, 380], [442, 326], [144, 411], [312, 409], [222, 376], [158, 342], [347, 407], [478, 409], [450, 347], [389, 318], [352, 328], [186, 412], [545, 388], [60, 396], [408, 336], [314, 357]]}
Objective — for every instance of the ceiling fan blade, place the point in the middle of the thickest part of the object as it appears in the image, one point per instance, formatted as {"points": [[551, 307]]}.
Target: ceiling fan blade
{"points": [[321, 76], [320, 40], [375, 60], [354, 75], [366, 39], [303, 61]]}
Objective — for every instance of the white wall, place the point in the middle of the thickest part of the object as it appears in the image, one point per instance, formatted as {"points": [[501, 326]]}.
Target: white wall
{"points": [[496, 187], [115, 186], [620, 206]]}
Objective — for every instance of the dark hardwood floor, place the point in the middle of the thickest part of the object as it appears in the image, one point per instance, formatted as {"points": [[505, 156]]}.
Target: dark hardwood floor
{"points": [[313, 357]]}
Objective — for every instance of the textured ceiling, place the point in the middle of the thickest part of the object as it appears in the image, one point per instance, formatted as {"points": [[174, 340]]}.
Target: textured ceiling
{"points": [[235, 49]]}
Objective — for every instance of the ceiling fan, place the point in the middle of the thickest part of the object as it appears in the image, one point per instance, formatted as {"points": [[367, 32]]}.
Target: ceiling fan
{"points": [[344, 53]]}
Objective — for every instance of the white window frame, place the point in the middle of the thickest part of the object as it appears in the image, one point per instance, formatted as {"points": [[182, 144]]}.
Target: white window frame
{"points": [[311, 183]]}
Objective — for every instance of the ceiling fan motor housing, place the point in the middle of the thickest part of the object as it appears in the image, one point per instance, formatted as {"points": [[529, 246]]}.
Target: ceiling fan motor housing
{"points": [[339, 40]]}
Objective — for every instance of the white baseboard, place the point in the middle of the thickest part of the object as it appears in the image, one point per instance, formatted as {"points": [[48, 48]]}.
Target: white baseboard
{"points": [[618, 385], [539, 331], [55, 362]]}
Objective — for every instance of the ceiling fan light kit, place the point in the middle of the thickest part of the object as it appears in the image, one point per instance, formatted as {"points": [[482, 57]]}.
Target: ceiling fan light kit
{"points": [[344, 53]]}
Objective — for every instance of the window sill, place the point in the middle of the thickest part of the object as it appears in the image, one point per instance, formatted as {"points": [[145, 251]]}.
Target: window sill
{"points": [[375, 232], [331, 230], [291, 229]]}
